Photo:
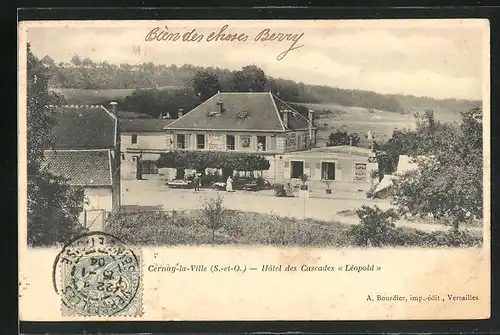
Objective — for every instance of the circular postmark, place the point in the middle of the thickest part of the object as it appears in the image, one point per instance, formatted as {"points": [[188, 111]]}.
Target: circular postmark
{"points": [[99, 275]]}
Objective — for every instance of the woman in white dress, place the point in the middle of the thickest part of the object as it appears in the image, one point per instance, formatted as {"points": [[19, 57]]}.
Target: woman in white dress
{"points": [[229, 184]]}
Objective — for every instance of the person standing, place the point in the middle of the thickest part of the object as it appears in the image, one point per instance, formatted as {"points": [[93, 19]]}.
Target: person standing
{"points": [[196, 181], [229, 184]]}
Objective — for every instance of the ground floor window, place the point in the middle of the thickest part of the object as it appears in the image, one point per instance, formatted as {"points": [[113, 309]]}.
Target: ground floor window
{"points": [[200, 141], [296, 169], [180, 174], [230, 141], [181, 141], [327, 171], [261, 143]]}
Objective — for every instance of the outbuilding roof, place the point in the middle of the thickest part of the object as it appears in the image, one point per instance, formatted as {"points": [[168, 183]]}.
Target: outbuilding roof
{"points": [[80, 167], [83, 127], [144, 125]]}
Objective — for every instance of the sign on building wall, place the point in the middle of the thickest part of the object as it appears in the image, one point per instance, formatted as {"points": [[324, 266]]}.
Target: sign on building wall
{"points": [[290, 140], [214, 141], [359, 171], [245, 141]]}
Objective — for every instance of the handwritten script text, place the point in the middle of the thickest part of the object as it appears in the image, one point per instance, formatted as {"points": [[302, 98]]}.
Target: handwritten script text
{"points": [[292, 39]]}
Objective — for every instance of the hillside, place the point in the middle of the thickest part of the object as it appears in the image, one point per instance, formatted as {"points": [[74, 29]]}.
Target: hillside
{"points": [[85, 81]]}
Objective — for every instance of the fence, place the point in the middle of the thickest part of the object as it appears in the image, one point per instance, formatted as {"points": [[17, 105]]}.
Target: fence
{"points": [[95, 219]]}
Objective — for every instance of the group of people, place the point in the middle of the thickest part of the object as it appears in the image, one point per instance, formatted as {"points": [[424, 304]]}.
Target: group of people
{"points": [[197, 182]]}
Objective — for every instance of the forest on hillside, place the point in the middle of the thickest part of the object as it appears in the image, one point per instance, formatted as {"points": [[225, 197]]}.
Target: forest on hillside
{"points": [[194, 84]]}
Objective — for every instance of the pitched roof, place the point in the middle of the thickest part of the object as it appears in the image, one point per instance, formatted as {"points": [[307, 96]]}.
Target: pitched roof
{"points": [[144, 125], [83, 127], [257, 111], [81, 167]]}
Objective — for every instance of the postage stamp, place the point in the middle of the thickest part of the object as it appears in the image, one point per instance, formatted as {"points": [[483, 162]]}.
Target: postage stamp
{"points": [[99, 276], [254, 169]]}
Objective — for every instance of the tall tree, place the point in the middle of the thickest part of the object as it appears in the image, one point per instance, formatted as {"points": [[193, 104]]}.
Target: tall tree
{"points": [[449, 180], [53, 206], [76, 60], [249, 79], [48, 61], [205, 84], [87, 62]]}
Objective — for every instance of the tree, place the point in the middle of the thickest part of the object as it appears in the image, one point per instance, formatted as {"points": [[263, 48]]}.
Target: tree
{"points": [[205, 84], [53, 206], [87, 62], [448, 183], [402, 142], [342, 138], [76, 61], [249, 79], [213, 214], [48, 61], [200, 160]]}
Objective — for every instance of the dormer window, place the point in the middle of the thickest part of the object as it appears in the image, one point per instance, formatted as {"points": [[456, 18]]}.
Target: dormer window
{"points": [[243, 114]]}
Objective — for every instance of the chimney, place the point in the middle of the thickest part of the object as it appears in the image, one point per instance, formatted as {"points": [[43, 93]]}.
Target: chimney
{"points": [[161, 116], [113, 105], [220, 104], [311, 126], [167, 116], [285, 117], [180, 112]]}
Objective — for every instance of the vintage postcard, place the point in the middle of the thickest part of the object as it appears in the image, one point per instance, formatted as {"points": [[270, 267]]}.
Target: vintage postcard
{"points": [[254, 170]]}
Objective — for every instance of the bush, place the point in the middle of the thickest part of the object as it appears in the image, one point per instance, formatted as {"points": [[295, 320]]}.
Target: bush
{"points": [[213, 214], [200, 160], [208, 179], [376, 227]]}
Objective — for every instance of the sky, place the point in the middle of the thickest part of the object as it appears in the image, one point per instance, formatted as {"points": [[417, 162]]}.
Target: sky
{"points": [[434, 58]]}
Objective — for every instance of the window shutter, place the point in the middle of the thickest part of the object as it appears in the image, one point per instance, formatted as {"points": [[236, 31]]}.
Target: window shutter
{"points": [[286, 164], [338, 166], [318, 166]]}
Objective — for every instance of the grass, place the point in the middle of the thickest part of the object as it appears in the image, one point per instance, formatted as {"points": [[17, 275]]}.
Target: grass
{"points": [[361, 120], [358, 120], [76, 96], [245, 228]]}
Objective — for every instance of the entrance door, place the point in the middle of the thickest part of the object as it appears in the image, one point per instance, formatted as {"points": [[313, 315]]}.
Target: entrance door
{"points": [[180, 173], [296, 169], [327, 171]]}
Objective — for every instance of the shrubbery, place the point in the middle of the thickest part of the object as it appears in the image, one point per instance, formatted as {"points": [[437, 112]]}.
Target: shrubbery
{"points": [[161, 228], [377, 229], [200, 160]]}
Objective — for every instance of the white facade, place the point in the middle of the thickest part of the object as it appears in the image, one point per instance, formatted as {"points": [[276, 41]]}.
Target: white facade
{"points": [[98, 203], [143, 141]]}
